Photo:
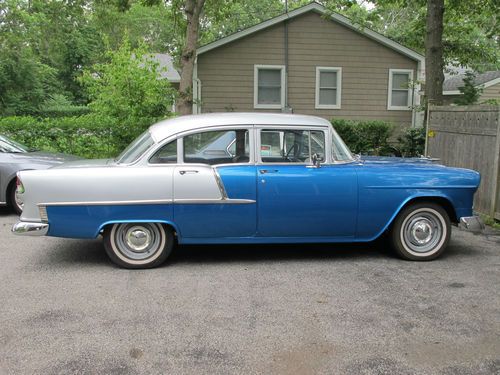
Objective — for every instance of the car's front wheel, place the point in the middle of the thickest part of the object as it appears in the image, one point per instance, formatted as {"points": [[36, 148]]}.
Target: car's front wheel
{"points": [[421, 231], [16, 199], [138, 245]]}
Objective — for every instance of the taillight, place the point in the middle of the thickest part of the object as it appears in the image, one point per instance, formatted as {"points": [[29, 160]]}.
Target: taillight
{"points": [[19, 186]]}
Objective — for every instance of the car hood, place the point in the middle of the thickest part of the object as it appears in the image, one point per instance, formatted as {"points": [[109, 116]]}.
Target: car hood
{"points": [[86, 163], [40, 157]]}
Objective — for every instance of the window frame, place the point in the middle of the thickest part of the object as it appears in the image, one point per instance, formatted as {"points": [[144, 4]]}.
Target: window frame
{"points": [[260, 128], [319, 70], [391, 107], [256, 103]]}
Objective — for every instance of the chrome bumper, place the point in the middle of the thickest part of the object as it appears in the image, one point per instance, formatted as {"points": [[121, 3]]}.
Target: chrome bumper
{"points": [[27, 228], [471, 223]]}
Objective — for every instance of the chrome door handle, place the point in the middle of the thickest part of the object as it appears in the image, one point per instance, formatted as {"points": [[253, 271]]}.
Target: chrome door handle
{"points": [[264, 171], [188, 172]]}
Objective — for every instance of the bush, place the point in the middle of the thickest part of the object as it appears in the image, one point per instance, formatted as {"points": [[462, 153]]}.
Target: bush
{"points": [[412, 142], [90, 136], [366, 137], [58, 105]]}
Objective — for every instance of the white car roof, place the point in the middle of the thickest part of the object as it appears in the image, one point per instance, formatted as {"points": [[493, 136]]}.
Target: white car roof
{"points": [[166, 128]]}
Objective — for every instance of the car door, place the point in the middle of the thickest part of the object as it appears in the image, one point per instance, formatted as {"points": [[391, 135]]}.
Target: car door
{"points": [[214, 187], [297, 199]]}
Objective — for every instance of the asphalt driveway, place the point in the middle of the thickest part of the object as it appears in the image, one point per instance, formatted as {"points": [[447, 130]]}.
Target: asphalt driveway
{"points": [[325, 309]]}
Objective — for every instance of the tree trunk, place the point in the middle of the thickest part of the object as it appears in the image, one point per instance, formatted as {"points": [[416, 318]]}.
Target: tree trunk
{"points": [[434, 63], [192, 9]]}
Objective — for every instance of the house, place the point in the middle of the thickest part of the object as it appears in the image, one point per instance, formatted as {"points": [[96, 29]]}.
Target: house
{"points": [[488, 81], [167, 69], [311, 62]]}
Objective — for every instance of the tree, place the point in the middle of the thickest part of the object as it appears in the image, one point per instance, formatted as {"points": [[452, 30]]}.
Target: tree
{"points": [[470, 93], [192, 9], [128, 85], [434, 62]]}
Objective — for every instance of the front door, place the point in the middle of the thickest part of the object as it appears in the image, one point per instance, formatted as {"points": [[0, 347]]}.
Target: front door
{"points": [[296, 199]]}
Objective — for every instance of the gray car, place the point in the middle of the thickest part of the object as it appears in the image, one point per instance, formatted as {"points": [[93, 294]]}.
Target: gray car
{"points": [[15, 157]]}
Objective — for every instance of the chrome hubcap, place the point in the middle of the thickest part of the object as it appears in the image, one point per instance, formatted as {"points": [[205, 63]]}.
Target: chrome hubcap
{"points": [[138, 241], [422, 231]]}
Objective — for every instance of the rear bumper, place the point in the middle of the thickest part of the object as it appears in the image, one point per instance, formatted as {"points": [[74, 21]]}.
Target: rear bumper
{"points": [[471, 224], [26, 228]]}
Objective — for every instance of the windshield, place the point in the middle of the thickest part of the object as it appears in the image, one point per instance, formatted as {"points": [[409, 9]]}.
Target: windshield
{"points": [[136, 148], [8, 145], [340, 151]]}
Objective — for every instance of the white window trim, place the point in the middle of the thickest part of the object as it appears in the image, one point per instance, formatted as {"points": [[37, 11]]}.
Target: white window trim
{"points": [[338, 70], [410, 91], [256, 104]]}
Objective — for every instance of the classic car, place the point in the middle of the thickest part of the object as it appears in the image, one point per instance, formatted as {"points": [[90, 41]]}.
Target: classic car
{"points": [[246, 178], [15, 157]]}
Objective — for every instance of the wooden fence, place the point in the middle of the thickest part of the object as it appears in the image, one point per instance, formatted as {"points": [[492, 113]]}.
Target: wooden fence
{"points": [[469, 137]]}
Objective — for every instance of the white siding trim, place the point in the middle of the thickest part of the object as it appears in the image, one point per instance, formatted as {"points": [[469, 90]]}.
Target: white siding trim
{"points": [[338, 70], [256, 104], [389, 94], [321, 10]]}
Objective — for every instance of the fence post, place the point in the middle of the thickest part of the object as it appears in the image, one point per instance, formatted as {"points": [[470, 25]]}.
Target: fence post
{"points": [[496, 170]]}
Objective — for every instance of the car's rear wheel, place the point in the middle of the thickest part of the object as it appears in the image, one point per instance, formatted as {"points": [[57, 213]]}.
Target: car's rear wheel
{"points": [[138, 245], [421, 231], [15, 199]]}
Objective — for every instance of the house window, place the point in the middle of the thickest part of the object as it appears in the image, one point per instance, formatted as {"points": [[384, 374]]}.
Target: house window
{"points": [[269, 86], [400, 91], [328, 87]]}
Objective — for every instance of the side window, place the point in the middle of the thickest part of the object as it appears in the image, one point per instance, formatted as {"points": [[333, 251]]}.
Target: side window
{"points": [[165, 155], [291, 146], [217, 147]]}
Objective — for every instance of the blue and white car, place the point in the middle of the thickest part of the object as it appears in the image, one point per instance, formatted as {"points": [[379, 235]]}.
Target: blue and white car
{"points": [[246, 178]]}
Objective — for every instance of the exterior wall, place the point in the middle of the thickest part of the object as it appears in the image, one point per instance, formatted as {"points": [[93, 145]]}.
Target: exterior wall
{"points": [[227, 73], [492, 92]]}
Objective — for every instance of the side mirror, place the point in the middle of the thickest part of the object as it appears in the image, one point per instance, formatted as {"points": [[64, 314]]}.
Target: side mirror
{"points": [[317, 159]]}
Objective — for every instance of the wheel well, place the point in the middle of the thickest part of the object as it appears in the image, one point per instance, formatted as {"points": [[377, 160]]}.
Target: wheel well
{"points": [[443, 202], [168, 225]]}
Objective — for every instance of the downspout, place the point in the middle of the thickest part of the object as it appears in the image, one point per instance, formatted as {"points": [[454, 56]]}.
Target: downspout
{"points": [[286, 108], [196, 89]]}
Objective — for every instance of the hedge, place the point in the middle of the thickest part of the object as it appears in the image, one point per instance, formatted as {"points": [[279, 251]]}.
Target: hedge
{"points": [[373, 137], [90, 136]]}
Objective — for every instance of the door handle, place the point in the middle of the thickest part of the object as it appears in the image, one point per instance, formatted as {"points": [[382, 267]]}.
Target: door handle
{"points": [[188, 172], [264, 171]]}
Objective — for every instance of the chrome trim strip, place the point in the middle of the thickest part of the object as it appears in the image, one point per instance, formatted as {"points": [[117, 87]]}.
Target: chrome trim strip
{"points": [[26, 228], [102, 203], [169, 201], [220, 184], [472, 224], [214, 201]]}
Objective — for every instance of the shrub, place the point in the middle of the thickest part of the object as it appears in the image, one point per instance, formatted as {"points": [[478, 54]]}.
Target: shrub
{"points": [[89, 136], [365, 137], [412, 142]]}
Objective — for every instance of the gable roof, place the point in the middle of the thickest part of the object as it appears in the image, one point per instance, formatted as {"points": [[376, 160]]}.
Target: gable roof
{"points": [[317, 8], [486, 79], [166, 64]]}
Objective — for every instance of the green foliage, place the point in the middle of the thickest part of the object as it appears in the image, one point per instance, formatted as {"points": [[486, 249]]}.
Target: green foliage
{"points": [[470, 93], [412, 142], [365, 137], [89, 136], [128, 86], [58, 105]]}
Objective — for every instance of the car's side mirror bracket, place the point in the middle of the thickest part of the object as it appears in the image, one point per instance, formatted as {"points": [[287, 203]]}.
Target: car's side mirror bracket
{"points": [[316, 160]]}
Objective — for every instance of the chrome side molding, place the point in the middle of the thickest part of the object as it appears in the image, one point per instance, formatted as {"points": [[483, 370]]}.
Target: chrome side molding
{"points": [[471, 224], [26, 228]]}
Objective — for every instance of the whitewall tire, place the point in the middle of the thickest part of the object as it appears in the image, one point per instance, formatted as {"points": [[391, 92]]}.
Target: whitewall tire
{"points": [[138, 245], [421, 231]]}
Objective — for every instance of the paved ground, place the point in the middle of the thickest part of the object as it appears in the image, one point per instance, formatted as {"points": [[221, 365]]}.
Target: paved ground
{"points": [[65, 309]]}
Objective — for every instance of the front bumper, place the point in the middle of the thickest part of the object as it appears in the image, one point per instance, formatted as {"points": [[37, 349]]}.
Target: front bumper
{"points": [[27, 228], [471, 224]]}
